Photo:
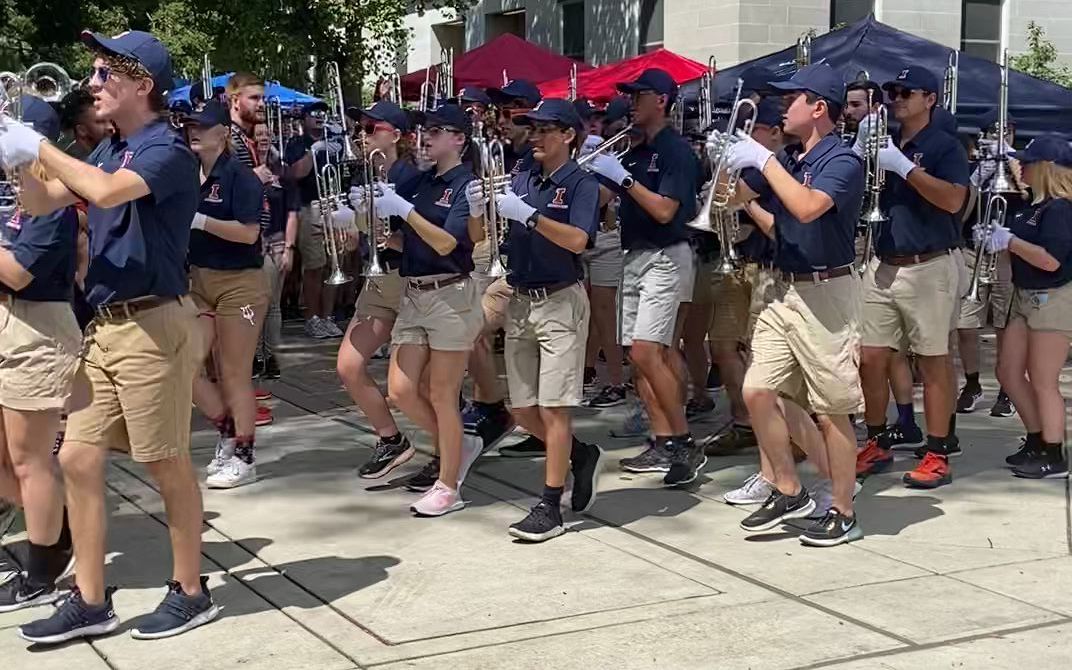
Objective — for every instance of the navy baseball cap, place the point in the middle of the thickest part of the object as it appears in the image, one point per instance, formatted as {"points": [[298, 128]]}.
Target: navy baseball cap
{"points": [[769, 112], [913, 78], [475, 94], [652, 79], [318, 106], [516, 89], [584, 109], [819, 79], [989, 119], [382, 110], [41, 115], [617, 109], [448, 116], [214, 113], [755, 80], [552, 110], [1049, 147], [139, 46]]}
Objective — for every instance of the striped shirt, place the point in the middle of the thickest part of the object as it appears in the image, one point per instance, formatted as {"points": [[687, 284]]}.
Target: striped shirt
{"points": [[246, 151]]}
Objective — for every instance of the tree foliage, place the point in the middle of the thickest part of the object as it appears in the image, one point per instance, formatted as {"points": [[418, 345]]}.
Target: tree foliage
{"points": [[1040, 59]]}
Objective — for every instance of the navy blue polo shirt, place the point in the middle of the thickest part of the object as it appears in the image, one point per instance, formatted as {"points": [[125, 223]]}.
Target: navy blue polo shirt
{"points": [[231, 192], [1049, 225], [295, 150], [441, 200], [282, 200], [519, 162], [757, 246], [403, 173], [45, 246], [139, 248], [568, 195], [916, 226], [667, 166], [829, 241]]}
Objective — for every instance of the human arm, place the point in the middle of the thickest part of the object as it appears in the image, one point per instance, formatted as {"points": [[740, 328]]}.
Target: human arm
{"points": [[659, 207], [763, 219]]}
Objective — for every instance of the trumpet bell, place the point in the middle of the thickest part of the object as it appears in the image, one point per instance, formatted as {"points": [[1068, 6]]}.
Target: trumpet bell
{"points": [[874, 214], [338, 277], [495, 270], [1002, 183], [375, 268]]}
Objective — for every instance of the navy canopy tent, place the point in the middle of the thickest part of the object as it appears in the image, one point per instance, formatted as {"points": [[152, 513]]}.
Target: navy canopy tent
{"points": [[1037, 106], [288, 97]]}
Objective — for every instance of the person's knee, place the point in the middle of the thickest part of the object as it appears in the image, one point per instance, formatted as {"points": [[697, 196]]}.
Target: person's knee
{"points": [[646, 355], [443, 396], [82, 463], [759, 399], [874, 359]]}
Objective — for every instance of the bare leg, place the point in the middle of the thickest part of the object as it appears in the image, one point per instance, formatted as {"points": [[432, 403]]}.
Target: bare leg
{"points": [[447, 368], [312, 290], [1046, 354], [874, 366], [661, 391], [408, 362], [937, 394], [772, 432], [604, 324], [364, 336], [236, 338], [841, 456], [732, 368], [177, 483], [83, 474], [1012, 373], [694, 333], [30, 437]]}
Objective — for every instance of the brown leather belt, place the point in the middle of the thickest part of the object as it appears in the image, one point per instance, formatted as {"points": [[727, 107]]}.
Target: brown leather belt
{"points": [[817, 276], [118, 311], [436, 283], [543, 292], [916, 259]]}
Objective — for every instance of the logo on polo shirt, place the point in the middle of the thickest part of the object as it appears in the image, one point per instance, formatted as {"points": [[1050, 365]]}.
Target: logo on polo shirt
{"points": [[15, 222], [653, 166], [1033, 219], [917, 158], [128, 156], [807, 179], [214, 194], [559, 201], [444, 200]]}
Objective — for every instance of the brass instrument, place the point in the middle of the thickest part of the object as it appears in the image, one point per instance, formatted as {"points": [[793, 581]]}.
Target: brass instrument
{"points": [[609, 144], [207, 90], [874, 178], [803, 53], [445, 80], [378, 230], [333, 174], [571, 89], [706, 98], [495, 179], [273, 115], [985, 271], [1003, 182], [949, 82]]}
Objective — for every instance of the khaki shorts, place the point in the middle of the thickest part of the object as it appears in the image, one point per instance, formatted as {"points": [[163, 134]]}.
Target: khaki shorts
{"points": [[994, 299], [311, 240], [134, 389], [545, 345], [39, 347], [380, 297], [1045, 309], [603, 262], [444, 319], [913, 303], [495, 301], [733, 300], [654, 283], [230, 292], [807, 340]]}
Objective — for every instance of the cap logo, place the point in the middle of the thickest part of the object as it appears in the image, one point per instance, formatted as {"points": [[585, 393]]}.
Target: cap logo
{"points": [[214, 194], [903, 75], [559, 201], [538, 105], [444, 200]]}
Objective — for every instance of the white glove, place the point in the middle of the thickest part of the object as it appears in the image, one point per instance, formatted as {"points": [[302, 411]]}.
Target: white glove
{"points": [[590, 144], [867, 125], [745, 152], [359, 198], [715, 145], [343, 218], [388, 203], [19, 143], [1000, 237], [329, 146], [984, 172], [474, 194], [610, 167], [891, 159], [705, 190], [199, 221], [512, 207]]}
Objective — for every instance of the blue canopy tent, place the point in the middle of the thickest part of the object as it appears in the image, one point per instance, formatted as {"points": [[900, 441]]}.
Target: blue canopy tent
{"points": [[1037, 106], [288, 97]]}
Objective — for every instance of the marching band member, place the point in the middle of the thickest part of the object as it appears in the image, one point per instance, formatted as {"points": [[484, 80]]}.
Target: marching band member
{"points": [[39, 351], [386, 128], [658, 196], [862, 98], [439, 316], [477, 99], [245, 96], [912, 287], [805, 340], [553, 211], [83, 129], [229, 287], [1037, 334], [141, 351]]}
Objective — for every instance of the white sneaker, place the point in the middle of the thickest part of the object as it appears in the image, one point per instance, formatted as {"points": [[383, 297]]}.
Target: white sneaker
{"points": [[224, 452], [439, 500], [314, 328], [754, 491], [823, 495], [472, 447], [233, 474], [330, 329]]}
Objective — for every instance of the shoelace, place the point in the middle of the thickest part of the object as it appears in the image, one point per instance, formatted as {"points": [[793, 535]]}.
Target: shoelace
{"points": [[931, 464], [754, 483]]}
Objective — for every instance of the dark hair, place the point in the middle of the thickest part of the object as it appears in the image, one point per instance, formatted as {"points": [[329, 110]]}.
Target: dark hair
{"points": [[833, 109], [872, 87], [72, 106]]}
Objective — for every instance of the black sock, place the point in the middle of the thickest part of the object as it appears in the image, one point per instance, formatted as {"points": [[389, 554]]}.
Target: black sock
{"points": [[552, 495], [874, 431], [952, 424], [245, 449], [1002, 395], [497, 406], [971, 380], [1054, 450], [39, 564], [936, 445], [906, 415], [1034, 440], [392, 440], [683, 440], [64, 543]]}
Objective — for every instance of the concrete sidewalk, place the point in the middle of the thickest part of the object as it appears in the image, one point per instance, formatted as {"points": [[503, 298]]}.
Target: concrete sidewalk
{"points": [[318, 569]]}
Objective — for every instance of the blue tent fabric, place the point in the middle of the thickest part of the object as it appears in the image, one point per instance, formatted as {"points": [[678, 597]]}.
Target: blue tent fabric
{"points": [[1038, 106], [288, 97]]}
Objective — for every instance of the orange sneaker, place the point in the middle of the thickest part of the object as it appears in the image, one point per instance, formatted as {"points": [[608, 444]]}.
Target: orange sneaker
{"points": [[933, 472], [873, 459], [264, 416]]}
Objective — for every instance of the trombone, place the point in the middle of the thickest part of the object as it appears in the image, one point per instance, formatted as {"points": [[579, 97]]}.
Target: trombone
{"points": [[985, 271], [1003, 181], [274, 118], [706, 106], [949, 82], [331, 176], [494, 178]]}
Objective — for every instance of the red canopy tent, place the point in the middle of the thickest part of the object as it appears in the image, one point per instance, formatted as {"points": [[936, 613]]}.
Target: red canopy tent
{"points": [[598, 85], [484, 65]]}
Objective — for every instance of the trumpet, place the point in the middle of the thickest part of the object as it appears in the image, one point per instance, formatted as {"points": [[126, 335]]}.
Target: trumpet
{"points": [[378, 230], [803, 52], [949, 82], [273, 115], [494, 178], [874, 180], [609, 144], [985, 271]]}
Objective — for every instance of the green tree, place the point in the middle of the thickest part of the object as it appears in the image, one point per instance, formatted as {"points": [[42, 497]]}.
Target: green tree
{"points": [[1040, 59]]}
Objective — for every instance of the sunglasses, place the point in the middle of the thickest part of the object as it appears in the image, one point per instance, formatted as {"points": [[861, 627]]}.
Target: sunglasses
{"points": [[102, 73], [318, 114], [511, 112], [371, 128], [436, 130], [544, 128], [902, 93]]}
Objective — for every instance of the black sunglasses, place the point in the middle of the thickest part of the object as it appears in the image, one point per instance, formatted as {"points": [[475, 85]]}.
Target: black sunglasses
{"points": [[902, 93]]}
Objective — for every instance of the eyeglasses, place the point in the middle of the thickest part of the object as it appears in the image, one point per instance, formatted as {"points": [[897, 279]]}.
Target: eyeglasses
{"points": [[902, 93], [318, 114], [371, 128]]}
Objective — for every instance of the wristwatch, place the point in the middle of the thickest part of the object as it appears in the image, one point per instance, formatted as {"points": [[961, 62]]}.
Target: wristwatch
{"points": [[628, 182], [533, 219]]}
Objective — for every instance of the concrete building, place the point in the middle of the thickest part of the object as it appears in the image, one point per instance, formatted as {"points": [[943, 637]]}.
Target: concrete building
{"points": [[601, 31]]}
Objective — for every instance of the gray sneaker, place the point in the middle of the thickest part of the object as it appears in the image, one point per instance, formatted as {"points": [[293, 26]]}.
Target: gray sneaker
{"points": [[314, 328], [653, 459]]}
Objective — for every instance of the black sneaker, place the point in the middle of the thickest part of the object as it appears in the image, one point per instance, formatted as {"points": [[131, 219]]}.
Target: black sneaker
{"points": [[73, 619], [686, 461], [386, 457], [19, 593], [1047, 465], [591, 378], [608, 396], [779, 508], [831, 530], [271, 367], [653, 459], [258, 366], [903, 438], [543, 522], [8, 514], [952, 448], [177, 613], [1028, 452], [730, 441], [586, 462], [968, 399], [492, 428], [1002, 406], [530, 447], [697, 408], [714, 379], [425, 478]]}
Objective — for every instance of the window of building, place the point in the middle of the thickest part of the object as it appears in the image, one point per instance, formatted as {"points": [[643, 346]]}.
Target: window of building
{"points": [[844, 12], [651, 25], [980, 28], [507, 22], [573, 29]]}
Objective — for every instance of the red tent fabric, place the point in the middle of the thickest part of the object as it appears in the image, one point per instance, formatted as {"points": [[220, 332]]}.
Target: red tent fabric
{"points": [[598, 85], [484, 65]]}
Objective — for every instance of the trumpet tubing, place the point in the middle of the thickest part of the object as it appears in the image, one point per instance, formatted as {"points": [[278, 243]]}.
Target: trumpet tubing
{"points": [[607, 145], [985, 271], [494, 179]]}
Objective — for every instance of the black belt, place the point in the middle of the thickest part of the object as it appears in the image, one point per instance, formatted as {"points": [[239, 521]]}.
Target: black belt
{"points": [[543, 292], [431, 285], [128, 308], [914, 259], [816, 276]]}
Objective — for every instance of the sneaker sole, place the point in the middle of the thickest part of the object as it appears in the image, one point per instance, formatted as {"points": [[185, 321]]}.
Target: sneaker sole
{"points": [[801, 513], [1052, 475], [595, 480], [916, 484], [96, 630], [37, 601], [738, 503], [952, 454], [876, 468], [542, 453], [401, 459], [453, 508], [231, 485], [692, 477], [645, 469], [605, 405], [418, 489], [851, 536], [1002, 415], [199, 620], [537, 537]]}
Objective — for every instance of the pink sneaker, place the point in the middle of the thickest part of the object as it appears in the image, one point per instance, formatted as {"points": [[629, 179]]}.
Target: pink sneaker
{"points": [[439, 500]]}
